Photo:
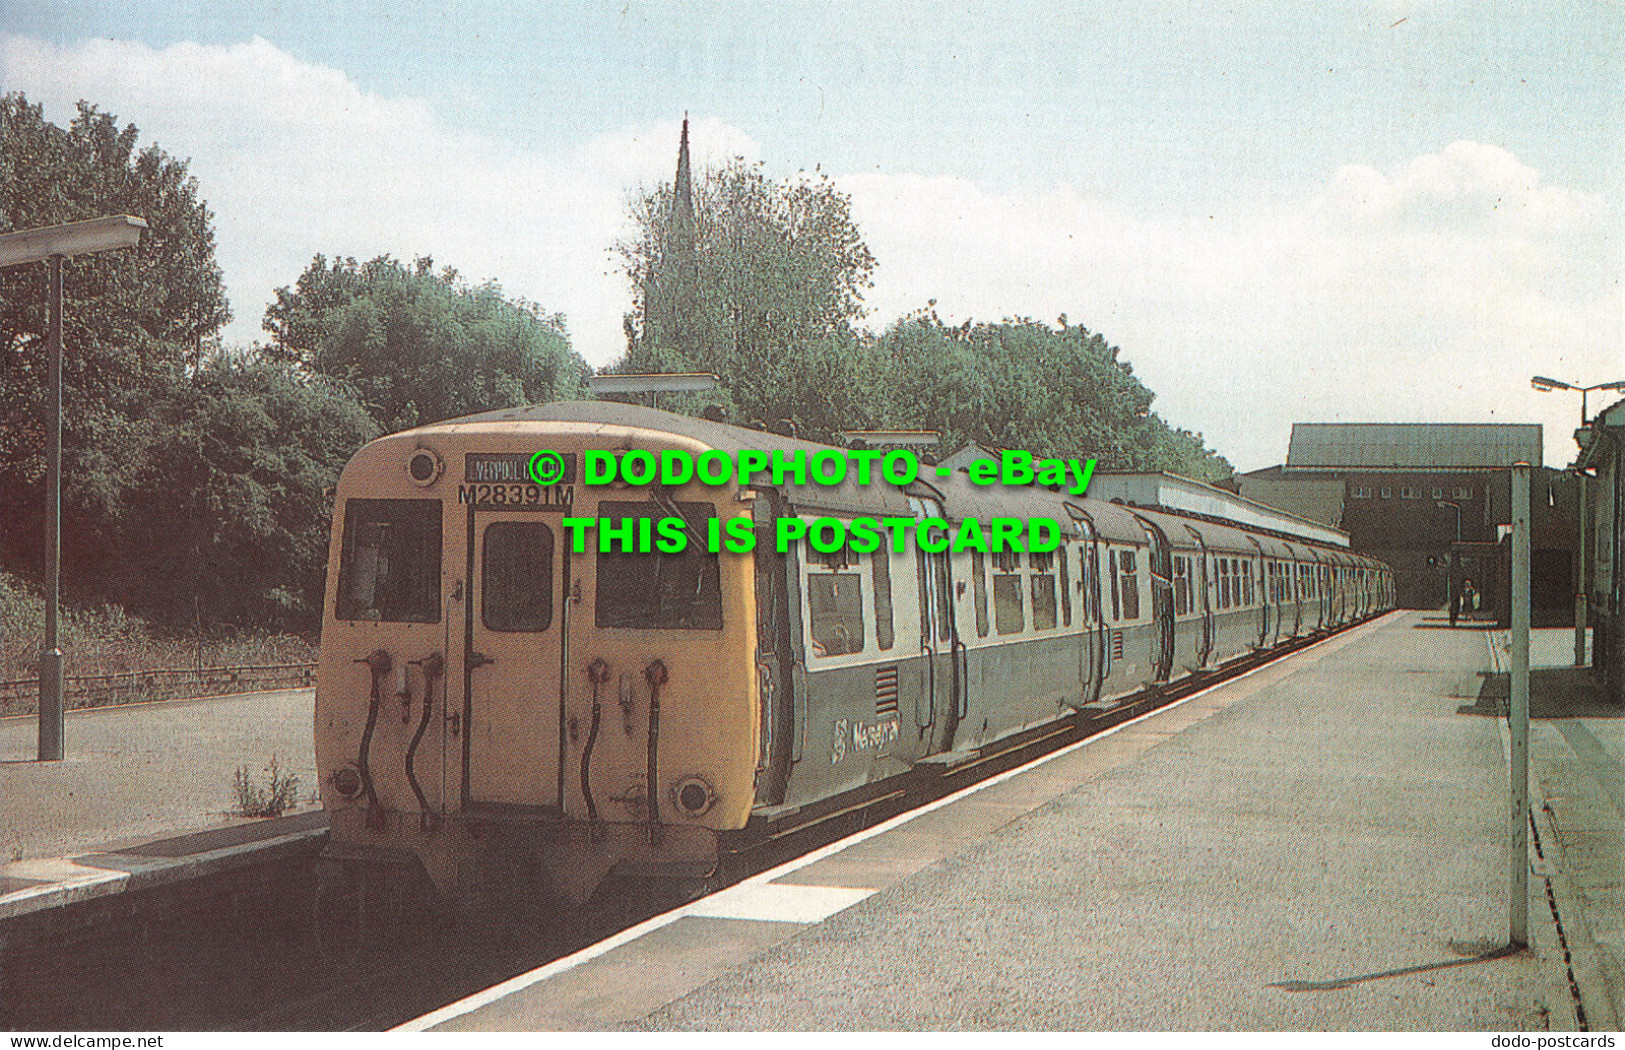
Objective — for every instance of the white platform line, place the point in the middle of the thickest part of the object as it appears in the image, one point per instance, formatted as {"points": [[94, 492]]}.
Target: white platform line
{"points": [[569, 962], [779, 902]]}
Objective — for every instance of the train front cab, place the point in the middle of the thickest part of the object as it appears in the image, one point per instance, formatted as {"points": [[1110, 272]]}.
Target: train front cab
{"points": [[489, 697]]}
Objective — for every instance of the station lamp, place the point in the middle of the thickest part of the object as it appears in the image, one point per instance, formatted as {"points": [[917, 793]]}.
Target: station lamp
{"points": [[53, 245]]}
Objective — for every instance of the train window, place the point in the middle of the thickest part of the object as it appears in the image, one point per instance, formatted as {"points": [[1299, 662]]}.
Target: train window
{"points": [[835, 605], [835, 560], [1182, 585], [978, 574], [1461, 492], [516, 576], [1131, 586], [880, 562], [389, 567], [1224, 583], [1042, 583], [654, 590], [1066, 586], [1009, 613], [945, 592], [1247, 580], [1007, 560]]}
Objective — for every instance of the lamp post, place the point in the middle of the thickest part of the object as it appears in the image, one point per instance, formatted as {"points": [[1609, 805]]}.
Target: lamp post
{"points": [[1582, 587], [53, 245]]}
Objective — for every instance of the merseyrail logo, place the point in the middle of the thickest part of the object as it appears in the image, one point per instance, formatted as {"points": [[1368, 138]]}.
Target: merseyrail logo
{"points": [[852, 737]]}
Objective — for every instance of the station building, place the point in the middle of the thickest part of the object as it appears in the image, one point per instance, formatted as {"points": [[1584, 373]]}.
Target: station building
{"points": [[1434, 501]]}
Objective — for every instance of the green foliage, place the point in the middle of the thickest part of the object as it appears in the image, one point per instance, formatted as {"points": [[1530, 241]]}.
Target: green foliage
{"points": [[781, 270], [281, 792], [419, 346], [107, 639], [221, 515], [772, 304], [136, 318], [1055, 391]]}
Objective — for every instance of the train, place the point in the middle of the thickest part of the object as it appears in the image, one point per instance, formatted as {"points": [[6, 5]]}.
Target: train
{"points": [[495, 706]]}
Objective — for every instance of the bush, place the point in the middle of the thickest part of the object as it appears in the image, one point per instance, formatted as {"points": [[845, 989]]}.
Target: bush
{"points": [[108, 640], [280, 792]]}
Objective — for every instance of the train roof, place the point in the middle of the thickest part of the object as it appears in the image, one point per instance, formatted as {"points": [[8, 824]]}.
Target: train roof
{"points": [[961, 498], [1190, 498]]}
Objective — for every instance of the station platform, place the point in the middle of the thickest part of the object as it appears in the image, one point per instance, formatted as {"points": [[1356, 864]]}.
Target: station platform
{"points": [[145, 796], [1318, 844]]}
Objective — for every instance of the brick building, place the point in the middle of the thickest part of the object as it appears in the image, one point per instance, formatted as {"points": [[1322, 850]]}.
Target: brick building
{"points": [[1409, 493]]}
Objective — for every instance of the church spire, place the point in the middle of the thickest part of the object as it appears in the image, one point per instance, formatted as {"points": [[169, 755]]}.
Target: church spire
{"points": [[673, 292]]}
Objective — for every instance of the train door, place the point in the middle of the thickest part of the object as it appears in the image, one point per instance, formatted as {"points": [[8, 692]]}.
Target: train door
{"points": [[514, 626], [939, 705], [775, 653], [1092, 637], [1160, 567], [1323, 592], [1200, 599], [1263, 595], [1297, 594]]}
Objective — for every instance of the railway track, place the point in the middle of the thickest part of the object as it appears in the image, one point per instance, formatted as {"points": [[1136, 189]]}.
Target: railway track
{"points": [[241, 952]]}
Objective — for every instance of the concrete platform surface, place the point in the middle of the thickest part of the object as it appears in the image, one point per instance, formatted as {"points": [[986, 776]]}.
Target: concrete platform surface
{"points": [[1577, 789], [1321, 844], [146, 770]]}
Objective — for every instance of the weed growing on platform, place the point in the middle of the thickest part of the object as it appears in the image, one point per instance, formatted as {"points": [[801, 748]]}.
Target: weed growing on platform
{"points": [[272, 800]]}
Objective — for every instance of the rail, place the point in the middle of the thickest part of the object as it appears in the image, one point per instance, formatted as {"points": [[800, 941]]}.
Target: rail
{"points": [[21, 695]]}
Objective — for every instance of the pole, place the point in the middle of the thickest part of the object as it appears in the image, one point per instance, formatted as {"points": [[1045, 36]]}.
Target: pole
{"points": [[50, 660], [1582, 587], [1518, 717]]}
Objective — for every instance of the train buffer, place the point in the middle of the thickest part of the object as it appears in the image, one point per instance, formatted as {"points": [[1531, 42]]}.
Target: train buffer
{"points": [[1317, 844]]}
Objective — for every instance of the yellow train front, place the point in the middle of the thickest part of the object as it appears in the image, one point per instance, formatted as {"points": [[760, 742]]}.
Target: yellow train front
{"points": [[492, 701]]}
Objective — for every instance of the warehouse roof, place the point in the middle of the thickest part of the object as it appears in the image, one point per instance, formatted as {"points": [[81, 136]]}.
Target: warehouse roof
{"points": [[1413, 446]]}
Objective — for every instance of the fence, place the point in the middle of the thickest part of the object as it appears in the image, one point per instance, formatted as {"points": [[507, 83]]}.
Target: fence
{"points": [[21, 695]]}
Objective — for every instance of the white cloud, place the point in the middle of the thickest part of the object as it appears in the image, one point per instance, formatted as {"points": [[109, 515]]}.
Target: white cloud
{"points": [[1428, 294], [296, 159], [1425, 292]]}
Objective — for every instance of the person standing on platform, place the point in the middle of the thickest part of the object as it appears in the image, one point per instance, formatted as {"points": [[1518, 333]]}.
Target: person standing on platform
{"points": [[1469, 599]]}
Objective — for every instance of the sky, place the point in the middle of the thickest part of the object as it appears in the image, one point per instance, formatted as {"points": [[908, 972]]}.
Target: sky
{"points": [[1281, 212]]}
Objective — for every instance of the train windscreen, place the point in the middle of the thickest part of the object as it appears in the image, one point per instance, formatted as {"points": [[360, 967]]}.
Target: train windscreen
{"points": [[656, 590], [389, 568]]}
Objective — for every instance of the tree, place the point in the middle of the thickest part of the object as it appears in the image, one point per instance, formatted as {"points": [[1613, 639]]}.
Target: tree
{"points": [[137, 317], [767, 294], [762, 283], [419, 346], [223, 513], [1061, 391]]}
